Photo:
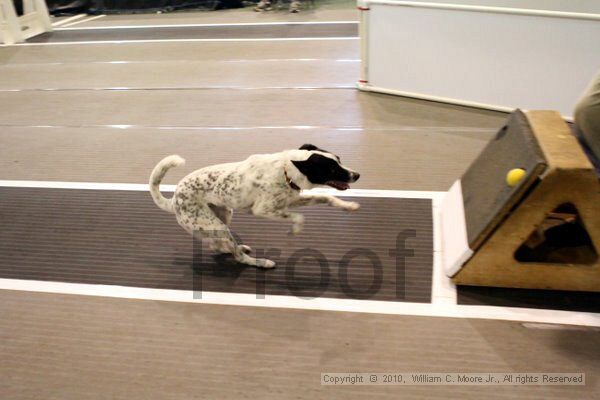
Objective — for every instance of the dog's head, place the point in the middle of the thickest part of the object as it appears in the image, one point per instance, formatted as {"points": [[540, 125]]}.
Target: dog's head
{"points": [[324, 168]]}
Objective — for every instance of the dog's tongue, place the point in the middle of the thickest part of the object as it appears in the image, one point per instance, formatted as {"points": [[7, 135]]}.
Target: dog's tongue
{"points": [[338, 185]]}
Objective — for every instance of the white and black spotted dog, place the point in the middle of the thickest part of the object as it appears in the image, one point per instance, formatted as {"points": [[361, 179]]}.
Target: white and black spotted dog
{"points": [[267, 185]]}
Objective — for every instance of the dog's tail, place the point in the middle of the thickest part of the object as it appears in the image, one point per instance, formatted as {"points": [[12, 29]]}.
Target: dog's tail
{"points": [[158, 173]]}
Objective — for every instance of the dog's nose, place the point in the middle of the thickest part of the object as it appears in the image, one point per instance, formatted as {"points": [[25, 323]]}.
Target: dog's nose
{"points": [[355, 176]]}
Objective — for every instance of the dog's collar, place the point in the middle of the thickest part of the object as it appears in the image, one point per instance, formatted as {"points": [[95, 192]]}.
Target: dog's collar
{"points": [[289, 181]]}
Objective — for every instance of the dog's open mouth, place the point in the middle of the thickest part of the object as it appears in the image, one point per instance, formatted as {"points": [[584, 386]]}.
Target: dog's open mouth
{"points": [[338, 185]]}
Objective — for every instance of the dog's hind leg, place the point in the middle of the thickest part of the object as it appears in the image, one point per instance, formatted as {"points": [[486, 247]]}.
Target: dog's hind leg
{"points": [[225, 214], [202, 223]]}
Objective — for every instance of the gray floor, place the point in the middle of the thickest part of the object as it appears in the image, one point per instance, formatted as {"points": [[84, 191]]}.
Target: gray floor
{"points": [[70, 347], [230, 107], [328, 73], [413, 159], [77, 347], [178, 51], [256, 86], [193, 32]]}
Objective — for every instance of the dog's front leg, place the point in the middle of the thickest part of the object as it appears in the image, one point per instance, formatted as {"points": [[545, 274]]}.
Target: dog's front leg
{"points": [[312, 199], [269, 211]]}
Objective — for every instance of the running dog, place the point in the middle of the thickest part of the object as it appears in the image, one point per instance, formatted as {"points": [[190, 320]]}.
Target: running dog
{"points": [[266, 185]]}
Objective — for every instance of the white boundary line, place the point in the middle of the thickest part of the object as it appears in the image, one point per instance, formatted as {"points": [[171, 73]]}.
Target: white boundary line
{"points": [[67, 20], [80, 22], [82, 185], [443, 290], [108, 27], [323, 304], [370, 88], [428, 129], [186, 41], [224, 61], [408, 194], [158, 88]]}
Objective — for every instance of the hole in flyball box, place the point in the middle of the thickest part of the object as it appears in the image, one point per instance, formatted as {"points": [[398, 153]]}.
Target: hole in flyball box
{"points": [[561, 238]]}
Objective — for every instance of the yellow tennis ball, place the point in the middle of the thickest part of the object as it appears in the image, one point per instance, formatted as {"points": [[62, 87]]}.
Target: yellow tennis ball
{"points": [[515, 176]]}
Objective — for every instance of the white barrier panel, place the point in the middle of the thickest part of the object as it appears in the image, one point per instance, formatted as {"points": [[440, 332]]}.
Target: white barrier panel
{"points": [[576, 6], [491, 57], [34, 21]]}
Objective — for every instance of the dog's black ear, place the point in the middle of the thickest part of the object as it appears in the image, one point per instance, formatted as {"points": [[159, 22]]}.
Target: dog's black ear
{"points": [[314, 167], [305, 167], [308, 147], [320, 169]]}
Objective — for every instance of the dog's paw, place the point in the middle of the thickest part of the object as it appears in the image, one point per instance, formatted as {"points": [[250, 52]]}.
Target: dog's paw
{"points": [[350, 206], [296, 229], [298, 224], [264, 263], [245, 249]]}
